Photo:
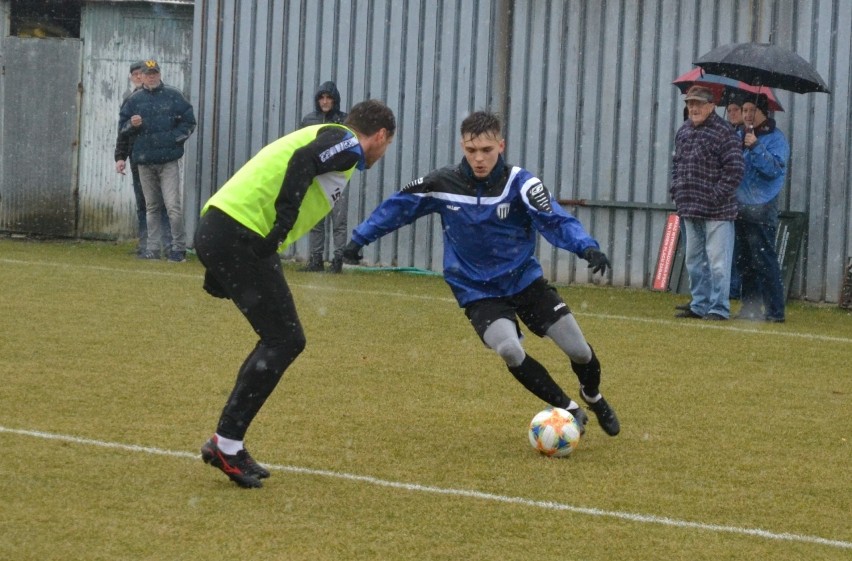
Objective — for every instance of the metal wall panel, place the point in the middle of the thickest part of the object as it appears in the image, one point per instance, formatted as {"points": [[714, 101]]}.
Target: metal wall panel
{"points": [[585, 86], [114, 36], [37, 197], [258, 64]]}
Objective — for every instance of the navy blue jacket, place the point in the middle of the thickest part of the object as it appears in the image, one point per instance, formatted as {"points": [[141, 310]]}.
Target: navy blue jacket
{"points": [[490, 228], [167, 121]]}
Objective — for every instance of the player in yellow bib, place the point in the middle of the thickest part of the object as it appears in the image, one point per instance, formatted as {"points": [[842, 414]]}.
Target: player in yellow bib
{"points": [[269, 203]]}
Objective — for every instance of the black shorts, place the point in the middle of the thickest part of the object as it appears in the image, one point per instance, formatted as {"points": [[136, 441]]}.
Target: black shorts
{"points": [[539, 306]]}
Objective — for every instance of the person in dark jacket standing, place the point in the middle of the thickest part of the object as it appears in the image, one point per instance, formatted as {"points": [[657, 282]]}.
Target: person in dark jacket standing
{"points": [[159, 119], [491, 215], [327, 110], [123, 147], [766, 153], [706, 170]]}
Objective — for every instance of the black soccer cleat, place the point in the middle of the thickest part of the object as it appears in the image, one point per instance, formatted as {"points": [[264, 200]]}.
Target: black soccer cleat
{"points": [[580, 418], [240, 467], [254, 468], [605, 414]]}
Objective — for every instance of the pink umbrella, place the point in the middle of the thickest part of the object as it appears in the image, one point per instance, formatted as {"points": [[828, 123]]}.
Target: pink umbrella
{"points": [[718, 85]]}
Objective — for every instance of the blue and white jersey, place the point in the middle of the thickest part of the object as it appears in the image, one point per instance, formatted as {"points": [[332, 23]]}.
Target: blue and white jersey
{"points": [[489, 230]]}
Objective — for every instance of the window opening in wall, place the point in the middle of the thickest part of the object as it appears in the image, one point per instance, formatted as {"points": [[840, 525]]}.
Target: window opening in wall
{"points": [[45, 18]]}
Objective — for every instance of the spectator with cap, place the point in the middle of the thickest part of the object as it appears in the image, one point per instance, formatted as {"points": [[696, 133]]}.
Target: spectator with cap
{"points": [[159, 119], [123, 147], [327, 110], [706, 170], [765, 153]]}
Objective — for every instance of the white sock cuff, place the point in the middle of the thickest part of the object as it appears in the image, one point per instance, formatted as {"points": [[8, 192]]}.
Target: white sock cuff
{"points": [[228, 446]]}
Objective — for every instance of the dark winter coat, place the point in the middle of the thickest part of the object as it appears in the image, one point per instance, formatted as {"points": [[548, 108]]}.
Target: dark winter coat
{"points": [[317, 117], [167, 121]]}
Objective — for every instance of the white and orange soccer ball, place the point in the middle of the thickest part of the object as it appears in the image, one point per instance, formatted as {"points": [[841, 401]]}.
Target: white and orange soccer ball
{"points": [[554, 433]]}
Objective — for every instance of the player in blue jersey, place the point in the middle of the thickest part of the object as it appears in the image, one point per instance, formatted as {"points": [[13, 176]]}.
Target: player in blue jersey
{"points": [[491, 213]]}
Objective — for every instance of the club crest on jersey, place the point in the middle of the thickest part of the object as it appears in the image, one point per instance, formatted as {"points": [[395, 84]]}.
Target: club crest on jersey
{"points": [[540, 198], [503, 210], [338, 148]]}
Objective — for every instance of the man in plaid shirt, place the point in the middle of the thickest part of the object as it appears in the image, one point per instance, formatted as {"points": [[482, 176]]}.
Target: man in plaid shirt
{"points": [[706, 170]]}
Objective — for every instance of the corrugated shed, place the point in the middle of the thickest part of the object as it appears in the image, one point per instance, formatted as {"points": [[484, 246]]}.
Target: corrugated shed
{"points": [[586, 87], [115, 35]]}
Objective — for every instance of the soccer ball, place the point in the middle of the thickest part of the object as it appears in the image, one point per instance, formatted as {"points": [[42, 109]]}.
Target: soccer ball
{"points": [[554, 433]]}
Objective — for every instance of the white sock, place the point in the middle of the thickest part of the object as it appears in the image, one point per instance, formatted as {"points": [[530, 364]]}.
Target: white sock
{"points": [[588, 399], [228, 446], [573, 405]]}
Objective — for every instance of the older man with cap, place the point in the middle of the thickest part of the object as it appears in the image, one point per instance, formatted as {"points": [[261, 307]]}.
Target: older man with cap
{"points": [[706, 170], [766, 153], [159, 119], [123, 148]]}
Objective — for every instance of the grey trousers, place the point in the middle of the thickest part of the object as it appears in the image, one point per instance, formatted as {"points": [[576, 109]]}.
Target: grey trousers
{"points": [[161, 186], [316, 239]]}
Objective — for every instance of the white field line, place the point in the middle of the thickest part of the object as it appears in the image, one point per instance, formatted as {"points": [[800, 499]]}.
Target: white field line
{"points": [[307, 286], [463, 493]]}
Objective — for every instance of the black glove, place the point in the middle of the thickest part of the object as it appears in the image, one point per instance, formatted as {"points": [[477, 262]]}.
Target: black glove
{"points": [[212, 286], [264, 247], [598, 262], [352, 253]]}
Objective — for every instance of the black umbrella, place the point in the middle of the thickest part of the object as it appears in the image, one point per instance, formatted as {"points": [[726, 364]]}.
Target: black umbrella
{"points": [[762, 64]]}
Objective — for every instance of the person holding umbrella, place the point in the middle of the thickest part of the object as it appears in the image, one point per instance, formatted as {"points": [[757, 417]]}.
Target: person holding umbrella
{"points": [[765, 153], [707, 168], [763, 65]]}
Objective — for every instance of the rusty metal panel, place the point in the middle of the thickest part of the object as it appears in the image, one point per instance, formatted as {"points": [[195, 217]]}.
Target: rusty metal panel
{"points": [[115, 35], [39, 135]]}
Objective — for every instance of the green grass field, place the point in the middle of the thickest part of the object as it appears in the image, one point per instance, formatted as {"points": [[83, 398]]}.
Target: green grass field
{"points": [[397, 435]]}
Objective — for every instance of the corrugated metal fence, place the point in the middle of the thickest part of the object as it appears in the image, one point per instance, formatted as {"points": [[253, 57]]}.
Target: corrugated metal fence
{"points": [[585, 86]]}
